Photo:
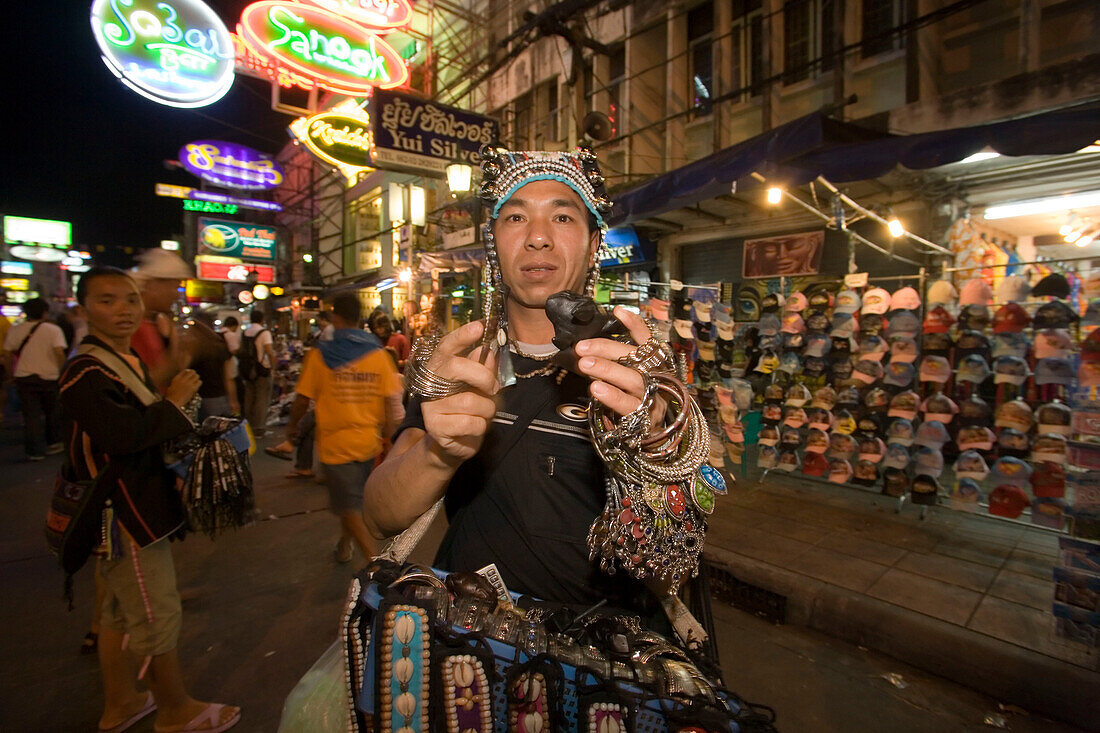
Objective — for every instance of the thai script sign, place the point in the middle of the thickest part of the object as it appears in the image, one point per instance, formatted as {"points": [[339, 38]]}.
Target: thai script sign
{"points": [[417, 134], [177, 53], [231, 165], [236, 239], [341, 136], [171, 190], [228, 270], [209, 207], [380, 14], [311, 46]]}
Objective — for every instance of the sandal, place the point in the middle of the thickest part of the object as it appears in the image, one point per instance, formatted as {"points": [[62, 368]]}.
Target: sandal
{"points": [[208, 721], [299, 473], [149, 706], [90, 643], [286, 455]]}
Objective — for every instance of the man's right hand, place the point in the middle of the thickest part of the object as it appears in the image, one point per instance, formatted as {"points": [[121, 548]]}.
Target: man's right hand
{"points": [[458, 424], [183, 387]]}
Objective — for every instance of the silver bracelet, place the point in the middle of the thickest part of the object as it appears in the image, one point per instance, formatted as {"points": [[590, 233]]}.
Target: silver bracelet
{"points": [[422, 381]]}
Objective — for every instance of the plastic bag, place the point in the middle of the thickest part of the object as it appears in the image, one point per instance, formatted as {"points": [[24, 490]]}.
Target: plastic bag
{"points": [[319, 702]]}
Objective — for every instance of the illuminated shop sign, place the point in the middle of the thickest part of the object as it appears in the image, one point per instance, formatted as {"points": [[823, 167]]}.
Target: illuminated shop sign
{"points": [[622, 246], [187, 193], [311, 46], [416, 134], [236, 239], [340, 136], [231, 165], [15, 283], [177, 53], [209, 207], [47, 232], [380, 14], [9, 267], [228, 270]]}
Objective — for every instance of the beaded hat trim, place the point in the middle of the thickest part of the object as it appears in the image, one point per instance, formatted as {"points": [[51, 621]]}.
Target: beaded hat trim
{"points": [[506, 171]]}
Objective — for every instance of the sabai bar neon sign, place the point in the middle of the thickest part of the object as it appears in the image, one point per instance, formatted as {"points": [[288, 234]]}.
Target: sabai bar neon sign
{"points": [[314, 46]]}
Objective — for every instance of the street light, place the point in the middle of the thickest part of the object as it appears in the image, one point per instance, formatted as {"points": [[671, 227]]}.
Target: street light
{"points": [[775, 195], [895, 227], [459, 177]]}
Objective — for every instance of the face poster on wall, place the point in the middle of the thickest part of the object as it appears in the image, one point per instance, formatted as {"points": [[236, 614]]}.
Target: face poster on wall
{"points": [[786, 255]]}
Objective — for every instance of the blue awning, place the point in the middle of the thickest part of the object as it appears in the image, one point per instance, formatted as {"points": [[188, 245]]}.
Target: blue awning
{"points": [[802, 150]]}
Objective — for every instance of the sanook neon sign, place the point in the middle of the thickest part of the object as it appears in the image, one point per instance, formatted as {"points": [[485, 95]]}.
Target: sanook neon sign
{"points": [[230, 164], [176, 53], [340, 136], [317, 47]]}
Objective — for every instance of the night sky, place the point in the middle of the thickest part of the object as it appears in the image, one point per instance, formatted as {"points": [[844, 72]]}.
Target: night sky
{"points": [[84, 148]]}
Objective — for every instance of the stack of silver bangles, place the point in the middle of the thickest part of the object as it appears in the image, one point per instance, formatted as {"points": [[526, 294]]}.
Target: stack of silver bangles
{"points": [[422, 381], [659, 492]]}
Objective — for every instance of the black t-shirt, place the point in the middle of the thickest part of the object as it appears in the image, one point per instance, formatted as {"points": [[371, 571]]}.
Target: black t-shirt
{"points": [[529, 510]]}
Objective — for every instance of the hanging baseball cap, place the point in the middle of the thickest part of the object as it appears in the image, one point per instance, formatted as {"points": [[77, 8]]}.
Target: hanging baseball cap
{"points": [[774, 393], [817, 344], [970, 464], [794, 417], [1054, 285], [702, 311], [966, 495], [906, 298], [899, 374], [1010, 470], [876, 300], [900, 431], [939, 407], [928, 460], [1055, 314], [1015, 414], [973, 368], [975, 437], [813, 366], [772, 302], [769, 435], [924, 490], [819, 418], [867, 371], [1050, 447], [872, 449], [798, 395], [841, 370], [872, 347], [1054, 371], [870, 424], [1010, 370], [769, 325], [1012, 289], [932, 434], [1049, 479], [1053, 343], [844, 325], [974, 316], [1008, 501], [938, 320], [903, 323], [817, 322], [1011, 442], [847, 301], [790, 363], [897, 456], [742, 393], [849, 397], [974, 411], [895, 482], [789, 438], [768, 456], [975, 292], [936, 344], [1010, 318], [840, 471], [934, 369], [1010, 344], [904, 404], [845, 423], [820, 299], [768, 362], [794, 341], [788, 461], [942, 292], [903, 349], [876, 400], [824, 397], [684, 329], [865, 473], [817, 441], [659, 309], [971, 342], [841, 446], [1088, 374], [796, 303], [1048, 512], [1054, 417], [872, 323], [815, 464], [792, 323]]}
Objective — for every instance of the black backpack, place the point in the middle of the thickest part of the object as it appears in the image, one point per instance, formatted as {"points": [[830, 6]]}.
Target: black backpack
{"points": [[248, 358]]}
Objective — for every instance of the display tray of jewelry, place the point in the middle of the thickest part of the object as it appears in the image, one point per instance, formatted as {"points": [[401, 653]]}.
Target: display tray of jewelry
{"points": [[431, 651]]}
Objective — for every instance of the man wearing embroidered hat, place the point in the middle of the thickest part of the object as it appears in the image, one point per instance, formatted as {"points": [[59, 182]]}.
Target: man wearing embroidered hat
{"points": [[505, 505]]}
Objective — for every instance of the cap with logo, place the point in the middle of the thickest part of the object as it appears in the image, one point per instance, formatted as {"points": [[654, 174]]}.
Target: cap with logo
{"points": [[867, 371], [813, 366], [970, 464], [767, 363], [1015, 414], [772, 302], [903, 323], [1012, 289], [789, 438], [934, 369], [870, 424], [872, 449], [1008, 500], [928, 461], [768, 456], [847, 301], [1049, 447], [932, 434], [1048, 512], [970, 341], [903, 348], [769, 325], [793, 341], [824, 397], [796, 303], [876, 300], [798, 395], [844, 326], [900, 431], [817, 344], [1049, 479], [865, 473], [817, 441], [872, 323], [872, 347], [842, 370], [939, 407], [1054, 417], [794, 417], [849, 397], [974, 411], [815, 464], [819, 418], [1010, 344], [972, 368], [1010, 470], [1010, 318], [974, 316], [876, 400], [906, 298], [841, 446], [975, 292], [792, 323], [1055, 315], [966, 495], [1054, 285], [904, 404], [936, 344], [1053, 371], [942, 291], [938, 320], [895, 482], [769, 435], [845, 423], [772, 413], [840, 471], [702, 311], [1053, 343], [1011, 442], [897, 456], [1010, 370], [788, 461], [899, 374], [820, 299], [975, 437], [817, 322]]}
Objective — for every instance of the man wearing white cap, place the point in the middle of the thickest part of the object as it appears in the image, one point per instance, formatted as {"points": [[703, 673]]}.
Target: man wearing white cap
{"points": [[157, 341]]}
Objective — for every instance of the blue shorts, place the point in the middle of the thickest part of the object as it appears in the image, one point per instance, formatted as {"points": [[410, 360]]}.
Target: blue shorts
{"points": [[345, 483]]}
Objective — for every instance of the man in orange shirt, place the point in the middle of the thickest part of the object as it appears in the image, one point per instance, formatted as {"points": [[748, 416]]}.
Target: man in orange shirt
{"points": [[357, 396]]}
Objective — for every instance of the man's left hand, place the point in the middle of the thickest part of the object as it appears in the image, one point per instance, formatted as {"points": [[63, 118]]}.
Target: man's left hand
{"points": [[618, 387]]}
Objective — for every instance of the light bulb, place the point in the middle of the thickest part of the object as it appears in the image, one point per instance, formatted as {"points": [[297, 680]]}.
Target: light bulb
{"points": [[775, 195], [895, 227], [1072, 237], [1085, 240]]}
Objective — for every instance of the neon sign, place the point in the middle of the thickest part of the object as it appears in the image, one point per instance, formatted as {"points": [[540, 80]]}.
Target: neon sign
{"points": [[175, 53], [208, 207], [171, 190], [227, 269], [230, 164], [380, 14], [237, 239], [341, 136], [317, 47]]}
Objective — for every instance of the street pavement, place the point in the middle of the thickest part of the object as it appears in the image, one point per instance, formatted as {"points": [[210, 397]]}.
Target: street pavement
{"points": [[262, 603]]}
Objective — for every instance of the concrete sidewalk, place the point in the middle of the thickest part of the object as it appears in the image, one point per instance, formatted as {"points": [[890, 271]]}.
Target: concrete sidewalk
{"points": [[962, 596]]}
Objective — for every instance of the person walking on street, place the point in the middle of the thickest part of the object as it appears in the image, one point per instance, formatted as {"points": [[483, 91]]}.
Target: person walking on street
{"points": [[256, 358], [357, 400], [37, 349], [117, 423], [395, 343], [157, 339]]}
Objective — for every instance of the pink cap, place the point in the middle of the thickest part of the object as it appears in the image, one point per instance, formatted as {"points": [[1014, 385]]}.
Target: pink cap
{"points": [[976, 292], [905, 299], [876, 300]]}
